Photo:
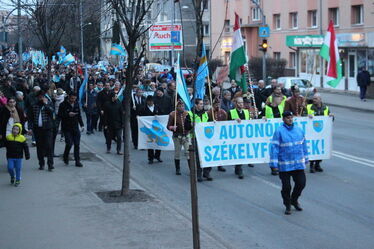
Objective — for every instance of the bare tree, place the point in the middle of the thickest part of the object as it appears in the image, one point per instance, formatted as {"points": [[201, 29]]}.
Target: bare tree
{"points": [[48, 22], [131, 14]]}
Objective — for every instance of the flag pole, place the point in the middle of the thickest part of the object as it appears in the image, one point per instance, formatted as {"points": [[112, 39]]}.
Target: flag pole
{"points": [[252, 95], [210, 95], [175, 104], [86, 85]]}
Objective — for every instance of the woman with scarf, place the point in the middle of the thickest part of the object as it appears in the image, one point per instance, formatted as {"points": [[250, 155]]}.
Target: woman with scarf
{"points": [[9, 115]]}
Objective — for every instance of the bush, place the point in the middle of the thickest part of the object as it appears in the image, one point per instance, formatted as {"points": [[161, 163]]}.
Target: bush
{"points": [[274, 68]]}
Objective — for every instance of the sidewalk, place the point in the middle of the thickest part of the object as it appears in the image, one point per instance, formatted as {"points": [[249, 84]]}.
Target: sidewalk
{"points": [[346, 100], [61, 210]]}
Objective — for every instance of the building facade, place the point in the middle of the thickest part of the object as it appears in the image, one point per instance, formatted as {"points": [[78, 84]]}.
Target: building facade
{"points": [[297, 30]]}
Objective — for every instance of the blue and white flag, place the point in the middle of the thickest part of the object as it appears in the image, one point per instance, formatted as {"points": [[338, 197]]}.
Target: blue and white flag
{"points": [[68, 59], [117, 49], [202, 73], [181, 86]]}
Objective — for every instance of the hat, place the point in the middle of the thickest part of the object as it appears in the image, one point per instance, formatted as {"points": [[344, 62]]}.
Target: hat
{"points": [[160, 89], [149, 98], [287, 114], [180, 102]]}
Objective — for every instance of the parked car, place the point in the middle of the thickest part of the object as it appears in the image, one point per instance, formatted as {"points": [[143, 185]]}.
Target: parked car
{"points": [[305, 86]]}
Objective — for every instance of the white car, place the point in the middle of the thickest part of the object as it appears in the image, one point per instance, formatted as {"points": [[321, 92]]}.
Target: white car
{"points": [[305, 86]]}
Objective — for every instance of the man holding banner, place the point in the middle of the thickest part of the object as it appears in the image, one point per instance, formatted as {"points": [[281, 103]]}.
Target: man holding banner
{"points": [[289, 154], [200, 117], [180, 134], [239, 114]]}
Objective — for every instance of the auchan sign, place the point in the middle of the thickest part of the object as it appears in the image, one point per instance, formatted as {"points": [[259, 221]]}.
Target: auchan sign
{"points": [[162, 37]]}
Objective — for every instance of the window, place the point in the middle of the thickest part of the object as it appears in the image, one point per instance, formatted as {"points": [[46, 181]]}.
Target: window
{"points": [[334, 16], [277, 55], [357, 14], [206, 29], [292, 60], [293, 20], [276, 21], [255, 14], [312, 18], [227, 25]]}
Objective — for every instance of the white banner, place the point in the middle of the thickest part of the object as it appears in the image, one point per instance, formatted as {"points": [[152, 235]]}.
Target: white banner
{"points": [[153, 133], [232, 143]]}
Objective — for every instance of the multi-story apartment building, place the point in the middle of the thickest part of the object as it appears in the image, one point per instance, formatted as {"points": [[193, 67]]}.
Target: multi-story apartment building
{"points": [[297, 29]]}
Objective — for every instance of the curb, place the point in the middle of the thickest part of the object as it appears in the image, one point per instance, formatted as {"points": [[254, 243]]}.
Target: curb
{"points": [[351, 107]]}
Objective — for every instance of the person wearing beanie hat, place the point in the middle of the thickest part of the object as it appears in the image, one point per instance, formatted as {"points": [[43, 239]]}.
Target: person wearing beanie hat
{"points": [[180, 134], [163, 102], [289, 154]]}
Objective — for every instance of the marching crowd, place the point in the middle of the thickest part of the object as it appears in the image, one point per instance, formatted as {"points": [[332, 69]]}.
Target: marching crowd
{"points": [[32, 104]]}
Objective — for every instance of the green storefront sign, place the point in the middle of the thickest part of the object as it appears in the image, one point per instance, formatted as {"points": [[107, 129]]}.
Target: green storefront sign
{"points": [[306, 41]]}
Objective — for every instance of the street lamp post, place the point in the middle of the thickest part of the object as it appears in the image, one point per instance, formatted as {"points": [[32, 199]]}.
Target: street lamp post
{"points": [[81, 29], [263, 24], [20, 59]]}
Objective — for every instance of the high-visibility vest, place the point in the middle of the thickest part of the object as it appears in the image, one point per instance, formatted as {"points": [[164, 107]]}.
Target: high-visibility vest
{"points": [[310, 111], [283, 103], [269, 111], [235, 114], [205, 117]]}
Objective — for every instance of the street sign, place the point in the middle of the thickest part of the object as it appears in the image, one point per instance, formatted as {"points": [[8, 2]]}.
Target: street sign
{"points": [[163, 37], [264, 32]]}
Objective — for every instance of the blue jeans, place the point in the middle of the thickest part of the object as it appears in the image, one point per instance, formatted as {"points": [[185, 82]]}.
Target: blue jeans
{"points": [[15, 164]]}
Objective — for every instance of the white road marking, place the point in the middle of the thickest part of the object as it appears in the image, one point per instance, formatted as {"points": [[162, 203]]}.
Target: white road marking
{"points": [[355, 159]]}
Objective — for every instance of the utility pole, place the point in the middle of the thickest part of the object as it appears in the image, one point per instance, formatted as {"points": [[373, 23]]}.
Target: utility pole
{"points": [[263, 24], [81, 26], [20, 59], [172, 28], [321, 33]]}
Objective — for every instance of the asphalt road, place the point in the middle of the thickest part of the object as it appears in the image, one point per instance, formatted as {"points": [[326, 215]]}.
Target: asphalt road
{"points": [[338, 203]]}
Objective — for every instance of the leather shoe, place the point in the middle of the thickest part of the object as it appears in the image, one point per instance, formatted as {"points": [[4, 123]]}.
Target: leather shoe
{"points": [[150, 161], [250, 165], [288, 210], [297, 206], [199, 179], [78, 164], [50, 168], [222, 169], [240, 175], [208, 177], [119, 153], [66, 161], [41, 168], [159, 160]]}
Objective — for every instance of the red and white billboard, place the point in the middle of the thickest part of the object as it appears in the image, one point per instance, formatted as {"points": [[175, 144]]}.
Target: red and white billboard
{"points": [[162, 37]]}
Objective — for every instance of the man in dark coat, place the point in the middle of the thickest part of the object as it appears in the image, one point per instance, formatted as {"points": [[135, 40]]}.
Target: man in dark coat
{"points": [[363, 81], [150, 109], [163, 102], [137, 105], [102, 98], [113, 122], [7, 88], [41, 121], [71, 119]]}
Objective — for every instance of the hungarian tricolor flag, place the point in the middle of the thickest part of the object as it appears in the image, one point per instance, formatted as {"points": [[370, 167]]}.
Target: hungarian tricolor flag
{"points": [[330, 52], [238, 58]]}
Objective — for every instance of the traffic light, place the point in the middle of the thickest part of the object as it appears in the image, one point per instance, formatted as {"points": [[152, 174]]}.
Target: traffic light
{"points": [[264, 45]]}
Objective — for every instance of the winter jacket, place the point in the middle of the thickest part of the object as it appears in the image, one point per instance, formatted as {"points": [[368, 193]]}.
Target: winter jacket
{"points": [[90, 98], [164, 104], [363, 78], [48, 116], [113, 115], [70, 123], [288, 149], [16, 145]]}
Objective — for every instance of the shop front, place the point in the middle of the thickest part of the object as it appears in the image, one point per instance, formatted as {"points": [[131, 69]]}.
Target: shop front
{"points": [[355, 53]]}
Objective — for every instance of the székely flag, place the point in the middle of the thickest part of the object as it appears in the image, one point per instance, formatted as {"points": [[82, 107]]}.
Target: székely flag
{"points": [[117, 49], [202, 73]]}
